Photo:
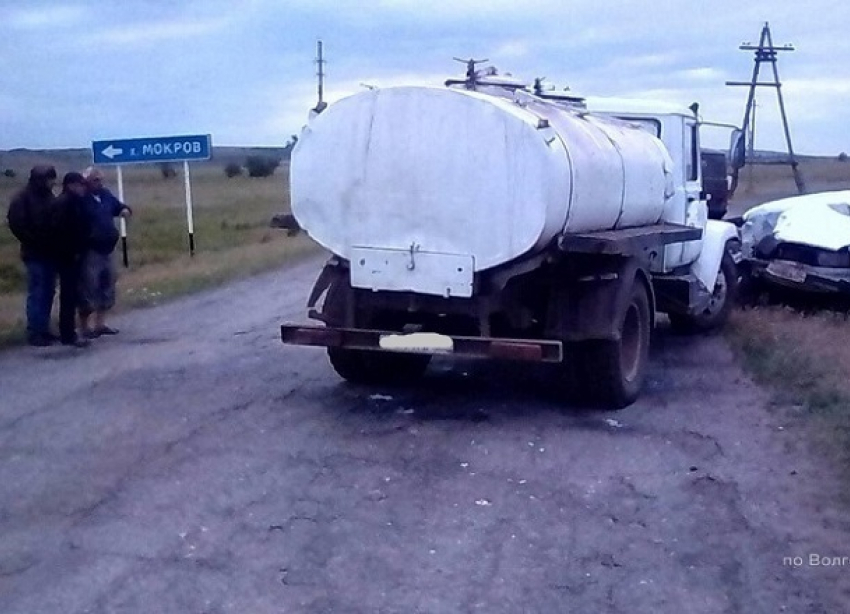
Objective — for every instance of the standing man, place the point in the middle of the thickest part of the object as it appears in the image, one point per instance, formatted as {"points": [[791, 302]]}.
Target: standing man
{"points": [[97, 288], [31, 221], [72, 233]]}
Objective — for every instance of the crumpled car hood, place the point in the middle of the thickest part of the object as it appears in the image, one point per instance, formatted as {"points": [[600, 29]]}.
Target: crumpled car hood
{"points": [[820, 220]]}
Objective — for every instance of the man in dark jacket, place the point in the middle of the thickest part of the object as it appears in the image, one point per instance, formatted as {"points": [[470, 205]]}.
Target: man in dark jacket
{"points": [[72, 233], [97, 295], [30, 220]]}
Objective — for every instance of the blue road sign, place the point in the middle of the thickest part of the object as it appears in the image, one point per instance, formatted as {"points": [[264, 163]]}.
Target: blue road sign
{"points": [[154, 149]]}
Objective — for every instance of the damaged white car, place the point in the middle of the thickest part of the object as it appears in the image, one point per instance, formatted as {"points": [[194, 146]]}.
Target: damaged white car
{"points": [[802, 242]]}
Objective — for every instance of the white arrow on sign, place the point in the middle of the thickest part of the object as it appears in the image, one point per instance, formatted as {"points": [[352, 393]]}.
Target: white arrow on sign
{"points": [[110, 151]]}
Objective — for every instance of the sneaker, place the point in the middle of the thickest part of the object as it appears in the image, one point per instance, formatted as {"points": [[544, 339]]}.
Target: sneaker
{"points": [[105, 330], [89, 334]]}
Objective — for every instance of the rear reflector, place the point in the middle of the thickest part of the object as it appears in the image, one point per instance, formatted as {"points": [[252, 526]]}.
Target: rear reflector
{"points": [[328, 337], [516, 351]]}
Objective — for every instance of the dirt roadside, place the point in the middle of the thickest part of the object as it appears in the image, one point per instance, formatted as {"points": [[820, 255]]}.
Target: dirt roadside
{"points": [[194, 464]]}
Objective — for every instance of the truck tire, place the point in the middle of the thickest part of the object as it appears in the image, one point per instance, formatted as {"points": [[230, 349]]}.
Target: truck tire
{"points": [[364, 366], [334, 306], [611, 373], [383, 368], [722, 300]]}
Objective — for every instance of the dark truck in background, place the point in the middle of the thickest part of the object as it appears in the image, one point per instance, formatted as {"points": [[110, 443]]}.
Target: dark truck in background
{"points": [[716, 183]]}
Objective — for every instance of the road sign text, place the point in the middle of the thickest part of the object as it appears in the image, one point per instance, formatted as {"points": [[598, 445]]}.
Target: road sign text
{"points": [[152, 149]]}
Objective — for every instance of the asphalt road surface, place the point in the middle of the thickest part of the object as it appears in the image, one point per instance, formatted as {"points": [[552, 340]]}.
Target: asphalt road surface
{"points": [[195, 464]]}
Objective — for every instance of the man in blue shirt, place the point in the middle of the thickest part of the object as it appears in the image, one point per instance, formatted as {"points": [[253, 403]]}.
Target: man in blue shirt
{"points": [[97, 284]]}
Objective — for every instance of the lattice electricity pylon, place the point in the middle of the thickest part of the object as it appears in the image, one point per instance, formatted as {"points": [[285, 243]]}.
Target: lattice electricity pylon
{"points": [[766, 51]]}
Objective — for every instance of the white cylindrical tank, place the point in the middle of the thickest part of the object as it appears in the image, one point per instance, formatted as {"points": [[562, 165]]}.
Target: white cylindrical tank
{"points": [[453, 171]]}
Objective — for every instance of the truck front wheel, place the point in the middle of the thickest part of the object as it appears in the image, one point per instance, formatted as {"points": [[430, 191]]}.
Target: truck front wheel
{"points": [[611, 373], [723, 297]]}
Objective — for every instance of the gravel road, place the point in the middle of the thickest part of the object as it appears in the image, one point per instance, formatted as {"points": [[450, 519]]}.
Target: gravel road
{"points": [[195, 464]]}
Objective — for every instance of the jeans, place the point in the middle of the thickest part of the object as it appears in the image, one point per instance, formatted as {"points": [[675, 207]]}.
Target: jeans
{"points": [[69, 281], [41, 286]]}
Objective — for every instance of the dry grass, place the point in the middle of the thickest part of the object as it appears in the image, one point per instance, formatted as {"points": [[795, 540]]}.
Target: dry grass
{"points": [[184, 274], [232, 237], [805, 360], [806, 356], [762, 183], [155, 283], [822, 173]]}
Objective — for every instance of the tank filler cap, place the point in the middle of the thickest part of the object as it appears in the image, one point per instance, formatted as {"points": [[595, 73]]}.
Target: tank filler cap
{"points": [[565, 96], [488, 76]]}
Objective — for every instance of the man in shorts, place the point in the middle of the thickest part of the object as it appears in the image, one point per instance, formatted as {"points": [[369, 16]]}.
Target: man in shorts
{"points": [[97, 279]]}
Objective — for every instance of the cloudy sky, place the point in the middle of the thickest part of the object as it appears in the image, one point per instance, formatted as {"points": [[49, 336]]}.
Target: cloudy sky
{"points": [[76, 71]]}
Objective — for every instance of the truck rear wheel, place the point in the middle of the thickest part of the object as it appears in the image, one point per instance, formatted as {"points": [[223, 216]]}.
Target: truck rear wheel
{"points": [[720, 305], [611, 373], [365, 366], [387, 368]]}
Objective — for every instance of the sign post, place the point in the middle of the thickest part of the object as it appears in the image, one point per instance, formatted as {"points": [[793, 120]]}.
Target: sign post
{"points": [[190, 222], [122, 223], [150, 150]]}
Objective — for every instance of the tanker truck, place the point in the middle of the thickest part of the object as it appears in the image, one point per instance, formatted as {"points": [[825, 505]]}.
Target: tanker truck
{"points": [[486, 219]]}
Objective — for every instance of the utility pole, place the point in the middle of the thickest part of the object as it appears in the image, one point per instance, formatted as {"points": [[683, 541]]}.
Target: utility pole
{"points": [[766, 51], [751, 148], [751, 154], [320, 73]]}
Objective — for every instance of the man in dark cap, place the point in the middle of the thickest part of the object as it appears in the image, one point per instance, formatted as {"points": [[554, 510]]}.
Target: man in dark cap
{"points": [[30, 219], [72, 231]]}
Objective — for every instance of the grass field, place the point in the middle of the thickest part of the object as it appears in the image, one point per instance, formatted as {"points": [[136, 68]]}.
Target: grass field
{"points": [[232, 235]]}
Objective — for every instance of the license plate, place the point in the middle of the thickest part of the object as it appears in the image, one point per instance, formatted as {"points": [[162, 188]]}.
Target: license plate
{"points": [[787, 270], [431, 343]]}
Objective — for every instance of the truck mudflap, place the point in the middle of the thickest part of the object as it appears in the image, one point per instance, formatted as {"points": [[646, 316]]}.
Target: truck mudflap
{"points": [[530, 350]]}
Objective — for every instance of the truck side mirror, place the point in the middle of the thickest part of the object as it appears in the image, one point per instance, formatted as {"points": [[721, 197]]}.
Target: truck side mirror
{"points": [[737, 149]]}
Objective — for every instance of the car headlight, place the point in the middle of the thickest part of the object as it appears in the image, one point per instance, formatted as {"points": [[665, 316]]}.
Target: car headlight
{"points": [[833, 259]]}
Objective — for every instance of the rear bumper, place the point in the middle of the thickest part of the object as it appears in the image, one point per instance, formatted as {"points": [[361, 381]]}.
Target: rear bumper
{"points": [[529, 350]]}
